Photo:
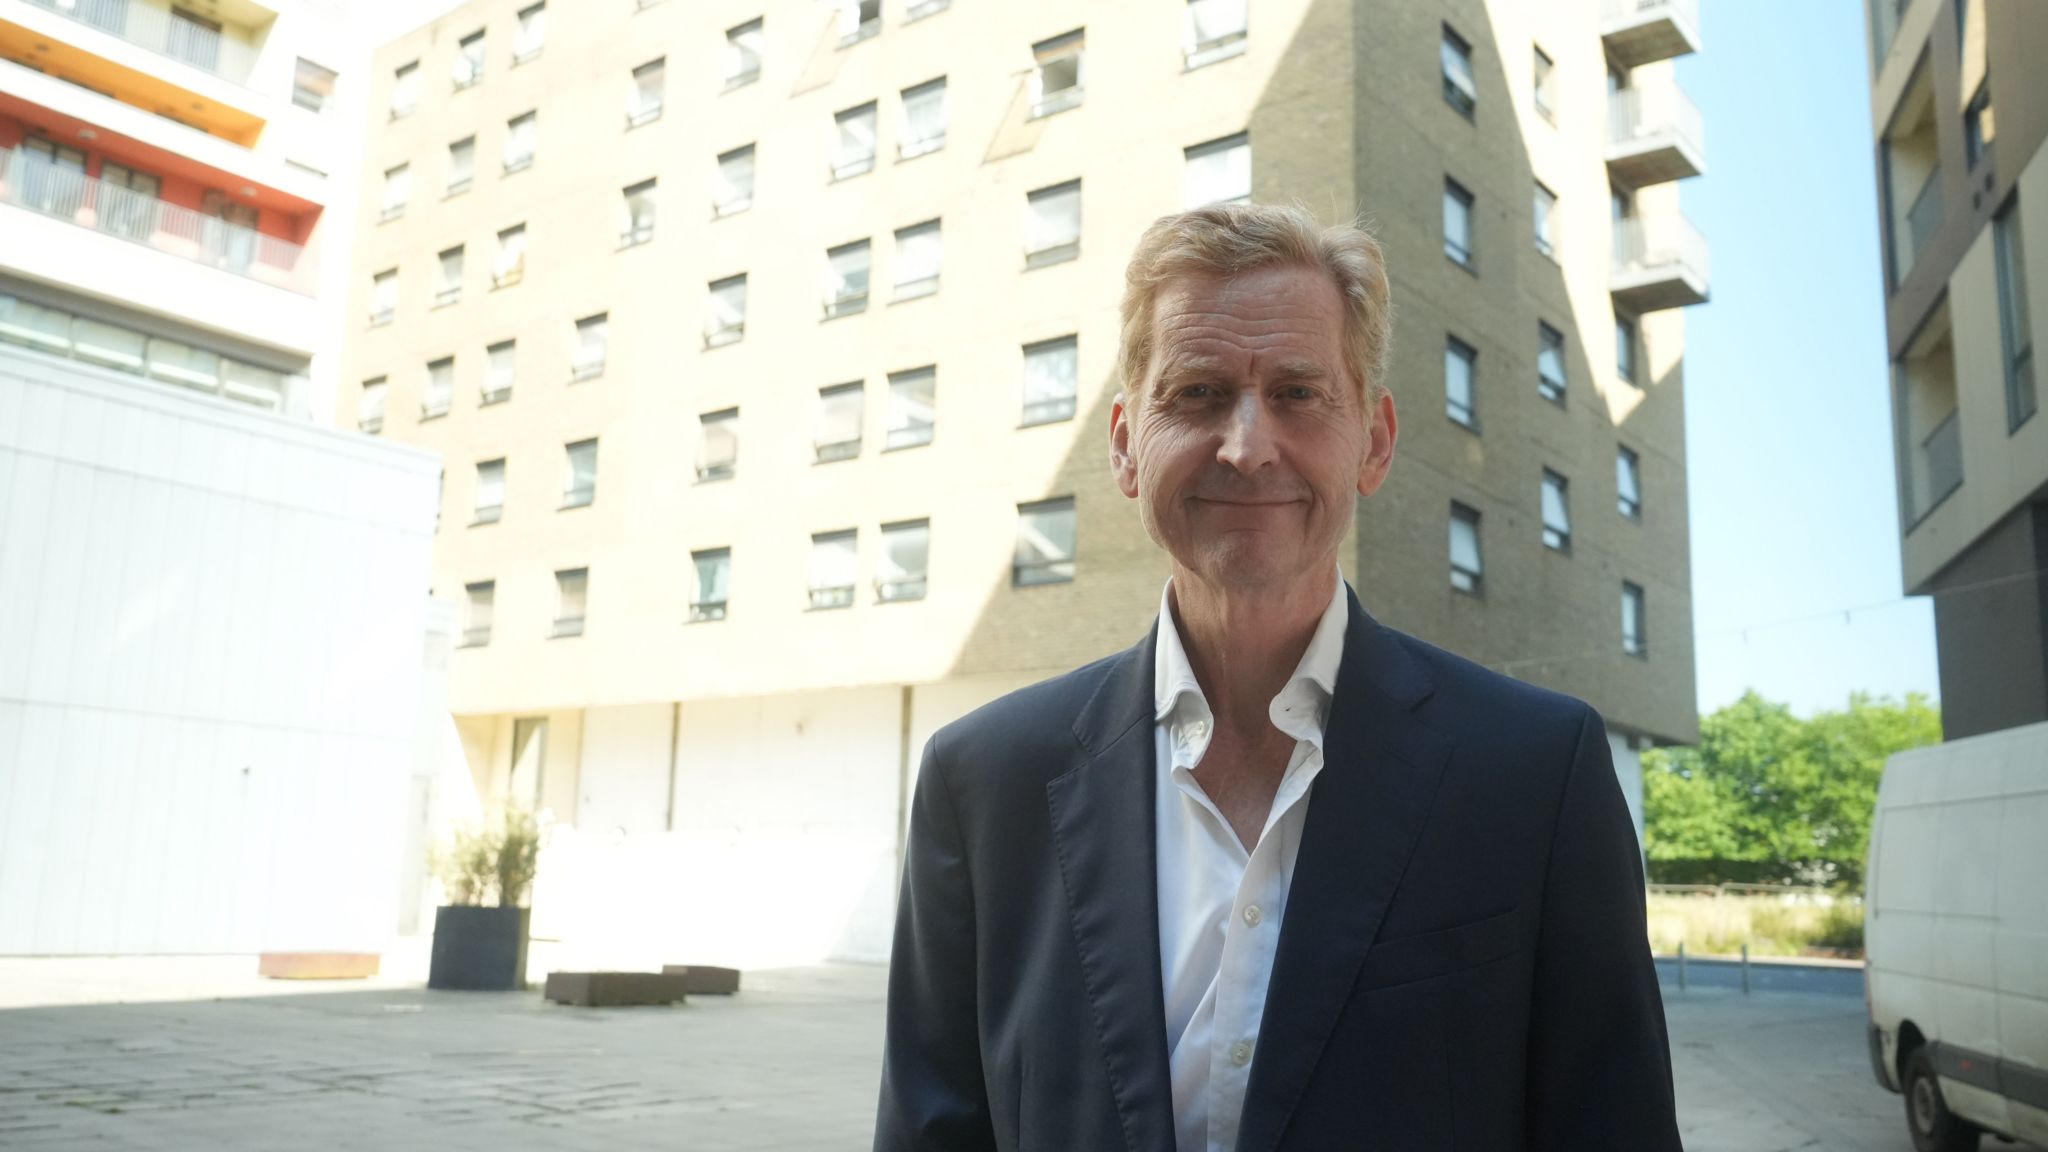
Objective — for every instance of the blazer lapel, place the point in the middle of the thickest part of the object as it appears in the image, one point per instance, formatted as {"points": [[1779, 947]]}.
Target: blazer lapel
{"points": [[1366, 812], [1102, 832]]}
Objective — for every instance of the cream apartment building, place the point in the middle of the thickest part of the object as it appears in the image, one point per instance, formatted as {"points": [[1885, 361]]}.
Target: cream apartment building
{"points": [[1960, 108], [769, 344]]}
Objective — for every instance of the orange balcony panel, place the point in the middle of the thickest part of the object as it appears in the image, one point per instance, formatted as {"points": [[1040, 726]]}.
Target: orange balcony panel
{"points": [[150, 93]]}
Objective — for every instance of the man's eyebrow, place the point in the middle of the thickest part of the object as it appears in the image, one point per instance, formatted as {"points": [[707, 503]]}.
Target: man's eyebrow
{"points": [[1177, 367], [1300, 370]]}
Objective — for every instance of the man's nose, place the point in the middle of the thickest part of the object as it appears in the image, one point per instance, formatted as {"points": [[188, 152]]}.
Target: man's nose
{"points": [[1248, 436]]}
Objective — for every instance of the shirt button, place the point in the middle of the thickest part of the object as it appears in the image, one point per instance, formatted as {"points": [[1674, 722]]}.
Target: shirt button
{"points": [[1198, 729], [1252, 915], [1241, 1053]]}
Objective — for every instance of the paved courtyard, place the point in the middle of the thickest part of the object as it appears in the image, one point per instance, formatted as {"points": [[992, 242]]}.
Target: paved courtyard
{"points": [[206, 1057]]}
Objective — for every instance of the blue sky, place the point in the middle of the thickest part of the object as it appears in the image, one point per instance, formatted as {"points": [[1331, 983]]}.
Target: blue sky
{"points": [[1788, 429]]}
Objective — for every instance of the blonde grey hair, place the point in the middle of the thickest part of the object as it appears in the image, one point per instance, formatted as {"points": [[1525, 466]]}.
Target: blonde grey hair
{"points": [[1227, 239]]}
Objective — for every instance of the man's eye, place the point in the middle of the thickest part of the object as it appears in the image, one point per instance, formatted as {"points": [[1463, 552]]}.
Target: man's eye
{"points": [[1196, 392]]}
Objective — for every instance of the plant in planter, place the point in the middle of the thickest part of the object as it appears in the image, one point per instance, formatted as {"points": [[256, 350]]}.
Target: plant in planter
{"points": [[480, 935]]}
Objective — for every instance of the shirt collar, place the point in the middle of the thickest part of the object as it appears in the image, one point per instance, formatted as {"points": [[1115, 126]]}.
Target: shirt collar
{"points": [[1173, 675]]}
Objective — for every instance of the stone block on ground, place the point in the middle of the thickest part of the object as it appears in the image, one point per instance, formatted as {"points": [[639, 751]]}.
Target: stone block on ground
{"points": [[317, 965], [704, 980], [615, 989]]}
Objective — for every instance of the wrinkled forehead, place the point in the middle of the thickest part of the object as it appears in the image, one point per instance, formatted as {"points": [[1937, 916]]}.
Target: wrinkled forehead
{"points": [[1284, 314]]}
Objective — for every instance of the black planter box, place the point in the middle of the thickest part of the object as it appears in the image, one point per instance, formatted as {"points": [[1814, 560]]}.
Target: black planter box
{"points": [[479, 949]]}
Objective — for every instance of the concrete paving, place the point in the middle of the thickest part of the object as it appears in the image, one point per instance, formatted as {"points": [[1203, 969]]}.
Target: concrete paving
{"points": [[205, 1056]]}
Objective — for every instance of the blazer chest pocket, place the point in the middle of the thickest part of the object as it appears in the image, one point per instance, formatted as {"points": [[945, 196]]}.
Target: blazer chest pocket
{"points": [[1411, 958]]}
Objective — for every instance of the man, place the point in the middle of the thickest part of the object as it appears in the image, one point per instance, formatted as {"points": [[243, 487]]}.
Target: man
{"points": [[1279, 877]]}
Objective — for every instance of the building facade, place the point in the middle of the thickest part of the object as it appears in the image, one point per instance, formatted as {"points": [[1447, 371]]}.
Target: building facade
{"points": [[1959, 110], [769, 346], [211, 619]]}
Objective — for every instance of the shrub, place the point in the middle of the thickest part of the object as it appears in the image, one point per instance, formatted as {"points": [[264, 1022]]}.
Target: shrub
{"points": [[494, 864]]}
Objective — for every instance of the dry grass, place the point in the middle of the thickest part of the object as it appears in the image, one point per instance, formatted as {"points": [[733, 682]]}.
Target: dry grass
{"points": [[1770, 925]]}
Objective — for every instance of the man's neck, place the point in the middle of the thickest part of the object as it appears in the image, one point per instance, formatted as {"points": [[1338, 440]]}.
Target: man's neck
{"points": [[1244, 644]]}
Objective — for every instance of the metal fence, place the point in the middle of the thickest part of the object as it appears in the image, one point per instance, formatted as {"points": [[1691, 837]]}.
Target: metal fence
{"points": [[164, 31]]}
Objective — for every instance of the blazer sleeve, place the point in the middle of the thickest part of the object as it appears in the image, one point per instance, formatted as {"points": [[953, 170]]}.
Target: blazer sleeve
{"points": [[933, 1096], [1599, 1058]]}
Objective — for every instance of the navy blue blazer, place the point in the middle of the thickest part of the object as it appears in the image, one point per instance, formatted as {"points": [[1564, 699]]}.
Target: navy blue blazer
{"points": [[1462, 961]]}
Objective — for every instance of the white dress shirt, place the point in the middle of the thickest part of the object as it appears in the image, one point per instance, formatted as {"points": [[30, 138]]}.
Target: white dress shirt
{"points": [[1220, 907]]}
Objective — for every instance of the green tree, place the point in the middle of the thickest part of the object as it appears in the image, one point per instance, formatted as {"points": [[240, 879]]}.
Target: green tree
{"points": [[1767, 796]]}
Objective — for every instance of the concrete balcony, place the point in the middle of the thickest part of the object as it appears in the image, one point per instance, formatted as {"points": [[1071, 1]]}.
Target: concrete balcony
{"points": [[1654, 135], [1637, 32], [101, 239], [148, 56], [1660, 262]]}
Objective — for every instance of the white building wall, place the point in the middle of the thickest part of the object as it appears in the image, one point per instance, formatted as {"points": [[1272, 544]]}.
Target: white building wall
{"points": [[210, 644]]}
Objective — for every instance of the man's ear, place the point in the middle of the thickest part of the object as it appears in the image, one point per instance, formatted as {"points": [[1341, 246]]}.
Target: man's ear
{"points": [[1379, 446], [1123, 464]]}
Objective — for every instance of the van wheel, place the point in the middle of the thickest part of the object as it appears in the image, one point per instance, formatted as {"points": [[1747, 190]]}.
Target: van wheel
{"points": [[1934, 1127]]}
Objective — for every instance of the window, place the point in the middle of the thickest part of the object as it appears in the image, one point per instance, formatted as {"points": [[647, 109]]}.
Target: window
{"points": [[510, 266], [448, 278], [128, 199], [370, 405], [1459, 90], [383, 296], [593, 336], [1549, 362], [643, 102], [2015, 329], [502, 359], [533, 33], [490, 492], [1980, 126], [397, 189], [912, 395], [476, 613], [858, 20], [846, 279], [405, 90], [1056, 81], [919, 9], [835, 569], [1218, 172], [734, 191], [1546, 220], [1628, 482], [1557, 517], [572, 589], [918, 251], [579, 480], [1460, 371], [743, 46], [1633, 641], [854, 152], [839, 421], [1457, 223], [461, 165], [1052, 225], [522, 137], [1546, 86], [1051, 368], [714, 581], [1625, 348], [1466, 573], [312, 85], [718, 445], [906, 553], [440, 388], [1045, 543], [725, 313], [1216, 31], [636, 220], [924, 119], [469, 60]]}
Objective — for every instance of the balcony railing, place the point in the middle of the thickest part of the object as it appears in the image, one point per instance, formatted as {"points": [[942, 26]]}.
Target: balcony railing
{"points": [[27, 180], [1922, 219], [162, 31], [1941, 453], [1654, 134]]}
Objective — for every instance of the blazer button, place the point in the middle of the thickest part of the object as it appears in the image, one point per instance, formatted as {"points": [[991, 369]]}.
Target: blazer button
{"points": [[1241, 1053]]}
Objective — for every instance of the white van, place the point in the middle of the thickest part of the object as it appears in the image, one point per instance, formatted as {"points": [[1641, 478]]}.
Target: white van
{"points": [[1956, 932]]}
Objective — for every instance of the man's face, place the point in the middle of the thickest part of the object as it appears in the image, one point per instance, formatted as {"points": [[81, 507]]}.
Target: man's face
{"points": [[1248, 441]]}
